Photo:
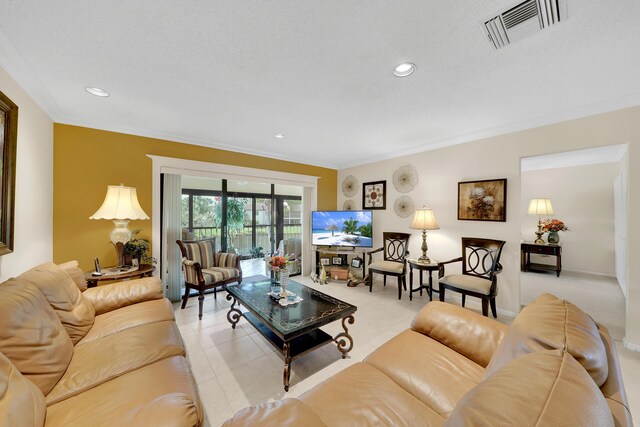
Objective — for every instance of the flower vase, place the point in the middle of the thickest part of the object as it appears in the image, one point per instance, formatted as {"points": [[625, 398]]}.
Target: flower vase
{"points": [[284, 279], [553, 238]]}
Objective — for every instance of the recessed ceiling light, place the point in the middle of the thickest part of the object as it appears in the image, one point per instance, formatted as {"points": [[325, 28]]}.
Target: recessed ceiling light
{"points": [[279, 135], [96, 91], [403, 70]]}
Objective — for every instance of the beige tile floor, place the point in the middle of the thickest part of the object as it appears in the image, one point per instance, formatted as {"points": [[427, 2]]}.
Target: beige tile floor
{"points": [[238, 368]]}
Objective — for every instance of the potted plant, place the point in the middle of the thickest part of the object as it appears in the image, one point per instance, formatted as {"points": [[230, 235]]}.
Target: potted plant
{"points": [[136, 249]]}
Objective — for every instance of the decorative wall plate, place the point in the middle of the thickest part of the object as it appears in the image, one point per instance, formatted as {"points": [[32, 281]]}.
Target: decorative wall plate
{"points": [[404, 206], [350, 186], [405, 178], [348, 205]]}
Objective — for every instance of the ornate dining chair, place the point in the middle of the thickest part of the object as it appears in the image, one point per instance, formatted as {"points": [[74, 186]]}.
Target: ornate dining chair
{"points": [[480, 268], [206, 269], [396, 249]]}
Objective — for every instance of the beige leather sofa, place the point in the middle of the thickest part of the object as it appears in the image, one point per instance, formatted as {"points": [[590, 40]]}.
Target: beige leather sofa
{"points": [[108, 356], [554, 366]]}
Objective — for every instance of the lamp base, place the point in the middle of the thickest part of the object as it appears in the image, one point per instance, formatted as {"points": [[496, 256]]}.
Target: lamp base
{"points": [[120, 253], [539, 234], [424, 258]]}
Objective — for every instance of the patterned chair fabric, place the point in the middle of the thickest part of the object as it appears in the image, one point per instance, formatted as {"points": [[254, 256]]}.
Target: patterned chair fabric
{"points": [[201, 251], [206, 269]]}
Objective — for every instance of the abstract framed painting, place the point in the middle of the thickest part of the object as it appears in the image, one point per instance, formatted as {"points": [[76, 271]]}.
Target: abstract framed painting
{"points": [[483, 200], [8, 142], [374, 195]]}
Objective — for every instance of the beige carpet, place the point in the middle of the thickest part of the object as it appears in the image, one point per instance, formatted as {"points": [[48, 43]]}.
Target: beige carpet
{"points": [[599, 296]]}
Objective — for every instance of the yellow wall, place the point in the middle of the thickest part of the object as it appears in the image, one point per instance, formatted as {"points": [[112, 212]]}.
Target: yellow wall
{"points": [[86, 160]]}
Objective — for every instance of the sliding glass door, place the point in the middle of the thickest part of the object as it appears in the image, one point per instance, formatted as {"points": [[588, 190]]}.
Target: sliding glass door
{"points": [[249, 219]]}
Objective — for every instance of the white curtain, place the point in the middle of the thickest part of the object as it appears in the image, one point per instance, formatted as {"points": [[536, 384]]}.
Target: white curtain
{"points": [[172, 231]]}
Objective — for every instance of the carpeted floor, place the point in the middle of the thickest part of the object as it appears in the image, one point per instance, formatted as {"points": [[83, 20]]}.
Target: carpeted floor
{"points": [[599, 296]]}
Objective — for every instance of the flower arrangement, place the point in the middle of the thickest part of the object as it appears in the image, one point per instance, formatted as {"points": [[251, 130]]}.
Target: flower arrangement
{"points": [[554, 225], [278, 263]]}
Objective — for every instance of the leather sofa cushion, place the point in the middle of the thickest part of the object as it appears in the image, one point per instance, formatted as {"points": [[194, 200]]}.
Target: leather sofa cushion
{"points": [[469, 283], [77, 275], [121, 294], [285, 412], [21, 402], [130, 316], [546, 388], [431, 372], [362, 395], [98, 361], [613, 387], [75, 313], [468, 333], [550, 323], [160, 394], [31, 334]]}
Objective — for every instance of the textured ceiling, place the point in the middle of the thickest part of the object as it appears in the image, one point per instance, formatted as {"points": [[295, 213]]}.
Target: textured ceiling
{"points": [[232, 74]]}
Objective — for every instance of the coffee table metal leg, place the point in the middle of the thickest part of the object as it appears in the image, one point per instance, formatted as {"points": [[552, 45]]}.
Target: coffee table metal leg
{"points": [[234, 315], [343, 340], [287, 365]]}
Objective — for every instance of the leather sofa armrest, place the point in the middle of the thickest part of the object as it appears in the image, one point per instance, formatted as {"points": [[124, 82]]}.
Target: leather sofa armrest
{"points": [[121, 294], [285, 412], [469, 333]]}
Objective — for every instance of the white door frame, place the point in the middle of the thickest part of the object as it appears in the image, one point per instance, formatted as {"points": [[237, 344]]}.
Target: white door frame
{"points": [[177, 166]]}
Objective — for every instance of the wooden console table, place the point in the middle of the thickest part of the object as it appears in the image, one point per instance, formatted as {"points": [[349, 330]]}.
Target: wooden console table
{"points": [[527, 248]]}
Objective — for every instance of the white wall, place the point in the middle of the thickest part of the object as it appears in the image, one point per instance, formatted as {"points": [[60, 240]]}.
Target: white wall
{"points": [[582, 197], [33, 230], [499, 157]]}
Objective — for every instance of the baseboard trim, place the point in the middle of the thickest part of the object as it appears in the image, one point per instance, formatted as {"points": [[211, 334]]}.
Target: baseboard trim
{"points": [[593, 273], [630, 345]]}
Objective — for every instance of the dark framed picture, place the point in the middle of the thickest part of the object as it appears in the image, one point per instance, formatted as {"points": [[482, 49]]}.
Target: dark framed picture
{"points": [[324, 261], [374, 195], [336, 260], [8, 143], [356, 262], [483, 200]]}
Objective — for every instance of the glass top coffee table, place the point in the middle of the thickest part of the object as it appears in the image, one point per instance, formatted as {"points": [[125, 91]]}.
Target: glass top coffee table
{"points": [[293, 329]]}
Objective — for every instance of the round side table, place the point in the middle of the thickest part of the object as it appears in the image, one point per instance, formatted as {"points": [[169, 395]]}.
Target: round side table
{"points": [[144, 270], [422, 266]]}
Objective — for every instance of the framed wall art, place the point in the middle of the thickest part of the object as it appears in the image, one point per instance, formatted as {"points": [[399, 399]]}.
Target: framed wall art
{"points": [[336, 260], [483, 200], [8, 142], [324, 261], [374, 195]]}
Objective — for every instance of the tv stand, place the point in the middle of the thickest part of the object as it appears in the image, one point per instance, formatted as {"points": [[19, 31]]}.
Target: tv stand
{"points": [[332, 250]]}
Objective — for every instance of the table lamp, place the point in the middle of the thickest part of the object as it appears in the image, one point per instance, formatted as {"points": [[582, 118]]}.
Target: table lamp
{"points": [[120, 205], [540, 207], [423, 219]]}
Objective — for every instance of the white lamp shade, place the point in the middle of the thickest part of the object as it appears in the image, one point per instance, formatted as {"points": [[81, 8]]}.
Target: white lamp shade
{"points": [[120, 203], [540, 207], [423, 219]]}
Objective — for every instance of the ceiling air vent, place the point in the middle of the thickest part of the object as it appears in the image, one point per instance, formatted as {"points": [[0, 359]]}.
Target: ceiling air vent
{"points": [[523, 20]]}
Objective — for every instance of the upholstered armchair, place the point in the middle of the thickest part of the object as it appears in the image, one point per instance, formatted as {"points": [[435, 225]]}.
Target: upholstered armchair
{"points": [[480, 268], [395, 250], [206, 269]]}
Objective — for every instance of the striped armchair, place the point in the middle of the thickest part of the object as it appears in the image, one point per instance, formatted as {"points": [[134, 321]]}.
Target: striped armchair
{"points": [[204, 268]]}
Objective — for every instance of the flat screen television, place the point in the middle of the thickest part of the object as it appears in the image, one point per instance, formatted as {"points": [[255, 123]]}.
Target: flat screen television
{"points": [[342, 228]]}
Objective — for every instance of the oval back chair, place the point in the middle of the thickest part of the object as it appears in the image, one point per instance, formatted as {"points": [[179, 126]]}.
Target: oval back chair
{"points": [[480, 267]]}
